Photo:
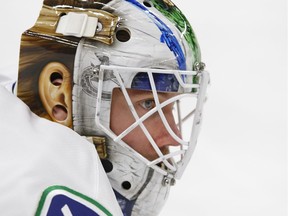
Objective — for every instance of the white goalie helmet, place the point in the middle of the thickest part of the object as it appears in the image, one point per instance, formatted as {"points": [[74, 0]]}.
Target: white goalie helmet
{"points": [[125, 48]]}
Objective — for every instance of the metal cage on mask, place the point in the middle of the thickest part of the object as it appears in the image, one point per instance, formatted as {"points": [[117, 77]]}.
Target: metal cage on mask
{"points": [[179, 81]]}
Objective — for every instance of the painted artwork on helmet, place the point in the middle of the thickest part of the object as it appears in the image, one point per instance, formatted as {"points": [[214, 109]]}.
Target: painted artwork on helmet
{"points": [[47, 58]]}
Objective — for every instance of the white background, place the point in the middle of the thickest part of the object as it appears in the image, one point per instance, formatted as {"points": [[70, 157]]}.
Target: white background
{"points": [[239, 167]]}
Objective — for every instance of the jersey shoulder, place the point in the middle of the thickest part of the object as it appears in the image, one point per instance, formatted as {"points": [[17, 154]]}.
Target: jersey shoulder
{"points": [[43, 161]]}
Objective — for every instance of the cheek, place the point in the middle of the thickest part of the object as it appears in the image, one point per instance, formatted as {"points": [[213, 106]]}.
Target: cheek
{"points": [[137, 140], [121, 117], [120, 121], [135, 136], [117, 123]]}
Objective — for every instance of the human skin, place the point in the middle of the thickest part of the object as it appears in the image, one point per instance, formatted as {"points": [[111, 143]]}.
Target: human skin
{"points": [[143, 101]]}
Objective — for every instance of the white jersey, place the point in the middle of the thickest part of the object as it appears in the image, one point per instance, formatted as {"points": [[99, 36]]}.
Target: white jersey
{"points": [[48, 169]]}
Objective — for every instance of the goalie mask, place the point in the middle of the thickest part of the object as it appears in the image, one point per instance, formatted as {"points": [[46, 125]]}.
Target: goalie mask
{"points": [[127, 75]]}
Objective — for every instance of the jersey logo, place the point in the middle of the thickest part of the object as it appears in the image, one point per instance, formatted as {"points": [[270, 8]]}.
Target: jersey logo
{"points": [[63, 201]]}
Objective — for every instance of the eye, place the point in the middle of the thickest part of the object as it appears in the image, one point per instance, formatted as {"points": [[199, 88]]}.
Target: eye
{"points": [[147, 104]]}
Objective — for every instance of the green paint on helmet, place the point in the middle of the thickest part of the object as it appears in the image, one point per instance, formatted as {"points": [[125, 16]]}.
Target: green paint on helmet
{"points": [[174, 14]]}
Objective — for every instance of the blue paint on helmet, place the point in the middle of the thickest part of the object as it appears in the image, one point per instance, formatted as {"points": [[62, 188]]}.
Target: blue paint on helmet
{"points": [[163, 82], [167, 35]]}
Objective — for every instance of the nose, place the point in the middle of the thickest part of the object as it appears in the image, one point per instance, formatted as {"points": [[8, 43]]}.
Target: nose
{"points": [[162, 135], [57, 91]]}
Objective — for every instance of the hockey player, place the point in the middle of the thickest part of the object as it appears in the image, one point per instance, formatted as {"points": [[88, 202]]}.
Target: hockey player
{"points": [[127, 76]]}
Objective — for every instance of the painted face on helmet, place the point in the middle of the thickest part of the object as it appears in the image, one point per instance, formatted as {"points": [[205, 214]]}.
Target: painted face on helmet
{"points": [[55, 92]]}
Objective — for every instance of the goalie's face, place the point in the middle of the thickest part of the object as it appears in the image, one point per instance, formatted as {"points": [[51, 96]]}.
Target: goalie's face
{"points": [[143, 101]]}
